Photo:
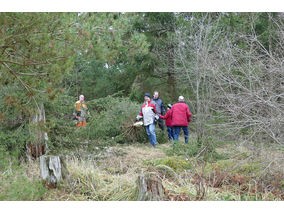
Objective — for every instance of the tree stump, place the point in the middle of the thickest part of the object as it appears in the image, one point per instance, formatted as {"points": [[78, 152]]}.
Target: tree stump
{"points": [[150, 188], [37, 146], [52, 170]]}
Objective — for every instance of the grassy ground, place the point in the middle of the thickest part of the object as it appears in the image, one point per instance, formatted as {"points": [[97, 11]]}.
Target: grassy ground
{"points": [[111, 174]]}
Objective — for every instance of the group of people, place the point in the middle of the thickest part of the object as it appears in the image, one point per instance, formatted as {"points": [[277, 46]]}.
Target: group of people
{"points": [[153, 112], [177, 117]]}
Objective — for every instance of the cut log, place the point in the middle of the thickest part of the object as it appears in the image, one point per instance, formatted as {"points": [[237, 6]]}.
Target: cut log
{"points": [[38, 144], [52, 170], [138, 124], [150, 188]]}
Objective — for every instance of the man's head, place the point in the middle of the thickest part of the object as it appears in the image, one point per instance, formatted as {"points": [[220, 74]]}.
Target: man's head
{"points": [[156, 95], [82, 98], [180, 98], [147, 97]]}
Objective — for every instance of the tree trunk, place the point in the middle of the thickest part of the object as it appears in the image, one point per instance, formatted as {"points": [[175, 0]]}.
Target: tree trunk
{"points": [[171, 78], [37, 146], [52, 170], [150, 188]]}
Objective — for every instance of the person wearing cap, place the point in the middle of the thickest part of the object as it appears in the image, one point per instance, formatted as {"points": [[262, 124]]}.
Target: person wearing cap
{"points": [[149, 114], [160, 108], [80, 111], [181, 116], [168, 118]]}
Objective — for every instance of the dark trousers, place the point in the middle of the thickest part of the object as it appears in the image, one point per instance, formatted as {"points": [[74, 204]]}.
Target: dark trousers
{"points": [[177, 131], [170, 133], [161, 124]]}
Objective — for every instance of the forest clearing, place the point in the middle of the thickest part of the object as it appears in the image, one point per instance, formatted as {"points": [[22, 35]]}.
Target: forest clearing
{"points": [[72, 86], [111, 174]]}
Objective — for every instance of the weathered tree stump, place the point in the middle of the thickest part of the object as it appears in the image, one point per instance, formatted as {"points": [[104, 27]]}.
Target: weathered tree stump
{"points": [[37, 146], [52, 170], [35, 150], [150, 188]]}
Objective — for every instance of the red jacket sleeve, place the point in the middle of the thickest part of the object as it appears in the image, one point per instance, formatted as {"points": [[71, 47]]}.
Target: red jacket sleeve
{"points": [[165, 117]]}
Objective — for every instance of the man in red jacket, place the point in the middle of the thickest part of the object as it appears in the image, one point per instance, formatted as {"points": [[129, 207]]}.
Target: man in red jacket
{"points": [[180, 118]]}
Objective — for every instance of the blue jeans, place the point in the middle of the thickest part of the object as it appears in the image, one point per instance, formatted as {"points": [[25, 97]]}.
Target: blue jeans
{"points": [[150, 129], [170, 132], [177, 131]]}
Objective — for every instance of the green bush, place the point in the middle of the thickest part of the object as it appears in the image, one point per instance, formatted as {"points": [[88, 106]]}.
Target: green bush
{"points": [[8, 159], [16, 187], [176, 163], [110, 122], [113, 117], [13, 140], [162, 136], [59, 123]]}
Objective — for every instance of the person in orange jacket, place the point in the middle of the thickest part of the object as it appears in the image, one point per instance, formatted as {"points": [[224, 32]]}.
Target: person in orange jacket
{"points": [[80, 111]]}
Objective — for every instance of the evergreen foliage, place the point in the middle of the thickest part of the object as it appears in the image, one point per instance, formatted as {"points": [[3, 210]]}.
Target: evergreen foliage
{"points": [[228, 66]]}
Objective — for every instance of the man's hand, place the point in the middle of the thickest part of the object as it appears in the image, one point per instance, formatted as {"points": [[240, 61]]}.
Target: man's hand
{"points": [[157, 117], [138, 117]]}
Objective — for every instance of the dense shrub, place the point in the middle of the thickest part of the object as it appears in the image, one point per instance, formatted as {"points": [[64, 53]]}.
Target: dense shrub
{"points": [[15, 181], [112, 117], [19, 187], [59, 123], [110, 122], [13, 141]]}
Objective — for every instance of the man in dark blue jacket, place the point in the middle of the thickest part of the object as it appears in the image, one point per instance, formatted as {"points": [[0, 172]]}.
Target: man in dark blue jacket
{"points": [[160, 107]]}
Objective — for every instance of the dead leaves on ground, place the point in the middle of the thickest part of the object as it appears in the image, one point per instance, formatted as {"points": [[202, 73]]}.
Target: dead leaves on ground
{"points": [[219, 179]]}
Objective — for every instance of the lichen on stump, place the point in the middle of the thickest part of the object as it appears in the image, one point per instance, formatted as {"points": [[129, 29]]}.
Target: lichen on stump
{"points": [[150, 188], [52, 170]]}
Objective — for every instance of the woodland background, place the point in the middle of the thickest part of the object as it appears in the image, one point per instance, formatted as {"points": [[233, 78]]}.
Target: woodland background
{"points": [[228, 66]]}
